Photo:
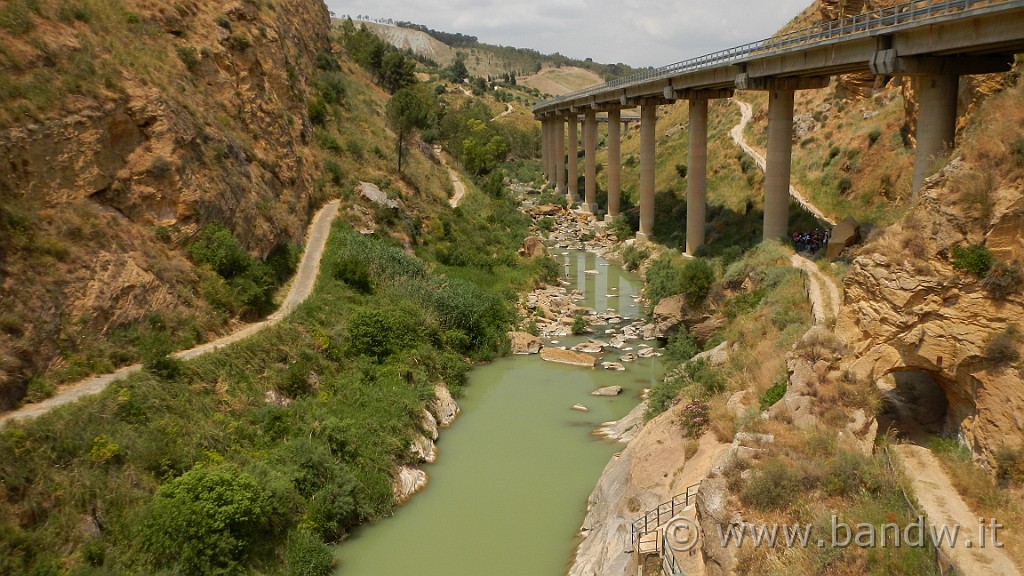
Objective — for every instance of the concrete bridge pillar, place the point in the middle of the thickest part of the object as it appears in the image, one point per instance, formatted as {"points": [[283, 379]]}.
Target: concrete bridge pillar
{"points": [[936, 121], [614, 162], [560, 154], [572, 160], [779, 155], [648, 119], [545, 147], [697, 175], [590, 161]]}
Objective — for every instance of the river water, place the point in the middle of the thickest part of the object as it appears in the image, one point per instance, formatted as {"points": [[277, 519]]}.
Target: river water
{"points": [[508, 492]]}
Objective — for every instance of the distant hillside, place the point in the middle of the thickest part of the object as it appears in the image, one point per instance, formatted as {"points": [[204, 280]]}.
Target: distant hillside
{"points": [[483, 59], [559, 81]]}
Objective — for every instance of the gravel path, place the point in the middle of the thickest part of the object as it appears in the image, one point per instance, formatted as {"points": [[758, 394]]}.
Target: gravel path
{"points": [[302, 286]]}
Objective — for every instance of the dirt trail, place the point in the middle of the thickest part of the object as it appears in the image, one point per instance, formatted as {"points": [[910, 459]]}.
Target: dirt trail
{"points": [[457, 185], [507, 111], [945, 508], [821, 290], [302, 286], [737, 136]]}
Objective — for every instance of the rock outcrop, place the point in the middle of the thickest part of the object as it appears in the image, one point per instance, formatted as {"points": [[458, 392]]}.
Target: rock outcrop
{"points": [[524, 343], [907, 309]]}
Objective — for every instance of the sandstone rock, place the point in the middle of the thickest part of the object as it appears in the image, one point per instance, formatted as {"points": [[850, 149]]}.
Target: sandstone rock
{"points": [[274, 398], [647, 353], [628, 358], [532, 247], [590, 347], [580, 408], [568, 357], [614, 366], [844, 235], [607, 391], [668, 314], [422, 449], [717, 356], [444, 407], [374, 194], [524, 343], [406, 482]]}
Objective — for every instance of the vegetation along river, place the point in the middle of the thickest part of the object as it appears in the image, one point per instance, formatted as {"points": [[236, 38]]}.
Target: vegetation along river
{"points": [[508, 492]]}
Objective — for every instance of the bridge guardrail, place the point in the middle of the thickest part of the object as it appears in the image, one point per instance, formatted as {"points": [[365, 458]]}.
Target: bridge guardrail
{"points": [[913, 11]]}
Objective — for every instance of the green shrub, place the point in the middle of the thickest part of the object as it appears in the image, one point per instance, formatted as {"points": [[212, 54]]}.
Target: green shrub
{"points": [[205, 521], [579, 325], [238, 41], [621, 228], [1003, 279], [355, 273], [155, 351], [383, 332], [774, 394], [633, 257], [975, 259], [547, 224], [663, 279], [844, 185], [190, 57], [317, 111], [773, 487], [15, 17], [697, 277], [743, 303], [1009, 465], [873, 136], [307, 555], [681, 347], [681, 170]]}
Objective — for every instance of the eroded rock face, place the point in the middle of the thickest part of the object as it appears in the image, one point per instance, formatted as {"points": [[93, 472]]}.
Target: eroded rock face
{"points": [[96, 172], [443, 407], [533, 246], [907, 311], [407, 481]]}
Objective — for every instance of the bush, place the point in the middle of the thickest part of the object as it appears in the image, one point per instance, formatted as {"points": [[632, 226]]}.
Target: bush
{"points": [[205, 521], [844, 185], [383, 332], [632, 256], [355, 273], [1009, 465], [621, 228], [774, 487], [873, 136], [190, 57], [663, 280], [1003, 279], [1002, 349], [1017, 151], [238, 41], [681, 347], [774, 394], [694, 418], [317, 111], [697, 277], [579, 325], [975, 259], [307, 555], [681, 170]]}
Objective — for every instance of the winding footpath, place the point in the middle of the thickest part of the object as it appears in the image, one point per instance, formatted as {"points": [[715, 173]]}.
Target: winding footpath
{"points": [[301, 288], [937, 496], [457, 185], [737, 135], [822, 290]]}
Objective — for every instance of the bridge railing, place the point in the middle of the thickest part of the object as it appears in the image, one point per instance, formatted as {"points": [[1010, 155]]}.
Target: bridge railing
{"points": [[914, 11], [669, 564]]}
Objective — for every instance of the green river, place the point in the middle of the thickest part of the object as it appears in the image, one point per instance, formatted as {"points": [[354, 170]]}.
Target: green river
{"points": [[508, 492]]}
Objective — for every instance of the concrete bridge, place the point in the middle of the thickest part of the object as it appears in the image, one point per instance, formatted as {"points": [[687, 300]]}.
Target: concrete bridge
{"points": [[936, 41]]}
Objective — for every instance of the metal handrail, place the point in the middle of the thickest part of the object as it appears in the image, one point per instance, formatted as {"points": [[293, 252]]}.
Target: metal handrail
{"points": [[669, 564], [907, 12], [661, 514]]}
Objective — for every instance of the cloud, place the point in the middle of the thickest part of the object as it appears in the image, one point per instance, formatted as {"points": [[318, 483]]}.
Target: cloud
{"points": [[636, 32]]}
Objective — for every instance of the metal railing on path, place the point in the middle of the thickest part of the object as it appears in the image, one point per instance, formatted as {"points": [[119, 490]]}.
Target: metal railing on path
{"points": [[909, 12], [657, 517]]}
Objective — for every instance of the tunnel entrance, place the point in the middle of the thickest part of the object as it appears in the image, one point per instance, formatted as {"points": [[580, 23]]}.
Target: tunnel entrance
{"points": [[915, 405]]}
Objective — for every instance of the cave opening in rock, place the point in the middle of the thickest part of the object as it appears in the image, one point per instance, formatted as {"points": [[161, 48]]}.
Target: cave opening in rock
{"points": [[915, 405]]}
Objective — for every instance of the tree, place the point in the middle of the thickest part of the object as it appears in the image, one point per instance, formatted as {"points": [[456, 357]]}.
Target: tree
{"points": [[458, 70], [396, 71], [409, 109]]}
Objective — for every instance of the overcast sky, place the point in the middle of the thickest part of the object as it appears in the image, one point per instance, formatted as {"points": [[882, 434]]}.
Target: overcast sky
{"points": [[634, 32]]}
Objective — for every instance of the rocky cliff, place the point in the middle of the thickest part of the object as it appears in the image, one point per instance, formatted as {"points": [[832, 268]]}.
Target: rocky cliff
{"points": [[918, 297], [125, 127]]}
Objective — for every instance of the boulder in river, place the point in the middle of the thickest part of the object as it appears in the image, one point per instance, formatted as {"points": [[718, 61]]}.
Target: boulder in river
{"points": [[580, 408], [524, 343], [607, 391], [568, 357]]}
